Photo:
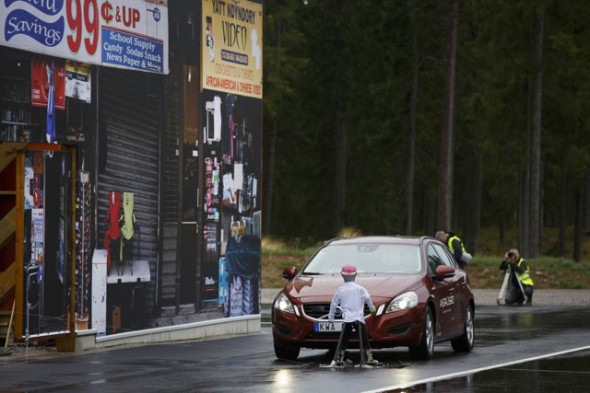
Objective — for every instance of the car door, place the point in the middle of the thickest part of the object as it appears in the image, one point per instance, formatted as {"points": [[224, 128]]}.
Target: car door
{"points": [[444, 291]]}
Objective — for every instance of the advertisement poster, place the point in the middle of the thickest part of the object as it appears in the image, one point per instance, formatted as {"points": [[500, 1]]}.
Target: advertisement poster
{"points": [[38, 235], [78, 85], [131, 34], [232, 135], [40, 70], [231, 54], [29, 187]]}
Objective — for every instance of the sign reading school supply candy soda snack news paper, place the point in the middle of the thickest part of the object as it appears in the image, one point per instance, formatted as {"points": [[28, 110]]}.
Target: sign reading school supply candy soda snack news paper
{"points": [[130, 34]]}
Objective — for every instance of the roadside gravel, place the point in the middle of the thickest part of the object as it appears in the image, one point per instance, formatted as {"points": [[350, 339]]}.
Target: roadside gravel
{"points": [[541, 297]]}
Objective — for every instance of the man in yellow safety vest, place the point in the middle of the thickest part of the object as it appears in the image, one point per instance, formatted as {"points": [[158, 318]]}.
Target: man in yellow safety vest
{"points": [[456, 246]]}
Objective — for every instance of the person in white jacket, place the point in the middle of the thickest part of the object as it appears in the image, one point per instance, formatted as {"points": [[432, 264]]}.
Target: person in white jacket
{"points": [[350, 298]]}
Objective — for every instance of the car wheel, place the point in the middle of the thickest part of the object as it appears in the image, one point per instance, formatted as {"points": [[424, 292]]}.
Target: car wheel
{"points": [[287, 352], [425, 349], [464, 343]]}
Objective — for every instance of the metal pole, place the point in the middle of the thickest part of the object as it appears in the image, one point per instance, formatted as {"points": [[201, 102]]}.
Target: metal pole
{"points": [[28, 313]]}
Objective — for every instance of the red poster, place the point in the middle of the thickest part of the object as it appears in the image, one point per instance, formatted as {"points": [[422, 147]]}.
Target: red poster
{"points": [[40, 84]]}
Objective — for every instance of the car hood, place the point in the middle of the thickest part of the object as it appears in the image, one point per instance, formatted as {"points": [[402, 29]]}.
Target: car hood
{"points": [[322, 288]]}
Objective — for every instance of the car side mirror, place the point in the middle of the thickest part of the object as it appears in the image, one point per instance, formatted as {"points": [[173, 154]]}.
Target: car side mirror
{"points": [[444, 271], [289, 272]]}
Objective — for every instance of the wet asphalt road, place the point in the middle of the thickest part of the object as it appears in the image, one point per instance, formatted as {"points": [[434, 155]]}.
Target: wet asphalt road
{"points": [[510, 355]]}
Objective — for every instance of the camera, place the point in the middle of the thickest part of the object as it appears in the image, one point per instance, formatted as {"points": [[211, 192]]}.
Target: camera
{"points": [[510, 254]]}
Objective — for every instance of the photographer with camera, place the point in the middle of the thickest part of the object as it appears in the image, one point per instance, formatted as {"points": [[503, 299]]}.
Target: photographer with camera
{"points": [[520, 277]]}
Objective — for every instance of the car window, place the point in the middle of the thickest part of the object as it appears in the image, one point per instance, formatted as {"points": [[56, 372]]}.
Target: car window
{"points": [[445, 256], [368, 258], [433, 259]]}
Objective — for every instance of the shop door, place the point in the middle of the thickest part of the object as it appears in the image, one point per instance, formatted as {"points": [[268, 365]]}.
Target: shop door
{"points": [[128, 162], [47, 238]]}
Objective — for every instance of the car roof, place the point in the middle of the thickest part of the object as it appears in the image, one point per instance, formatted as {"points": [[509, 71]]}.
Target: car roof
{"points": [[412, 240]]}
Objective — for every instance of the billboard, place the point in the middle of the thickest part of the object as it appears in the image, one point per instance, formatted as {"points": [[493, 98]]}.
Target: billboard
{"points": [[231, 120], [130, 34], [231, 51]]}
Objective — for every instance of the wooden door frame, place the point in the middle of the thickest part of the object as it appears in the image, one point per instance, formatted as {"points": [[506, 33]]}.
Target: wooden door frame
{"points": [[20, 231]]}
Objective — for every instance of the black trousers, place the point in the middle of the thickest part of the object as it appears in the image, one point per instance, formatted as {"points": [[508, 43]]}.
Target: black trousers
{"points": [[515, 295], [347, 328]]}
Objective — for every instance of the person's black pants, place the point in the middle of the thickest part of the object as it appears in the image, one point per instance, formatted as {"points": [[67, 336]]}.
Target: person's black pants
{"points": [[360, 328], [515, 295]]}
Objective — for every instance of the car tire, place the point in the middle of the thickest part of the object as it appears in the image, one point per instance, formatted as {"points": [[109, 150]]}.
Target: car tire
{"points": [[287, 352], [464, 343], [425, 350]]}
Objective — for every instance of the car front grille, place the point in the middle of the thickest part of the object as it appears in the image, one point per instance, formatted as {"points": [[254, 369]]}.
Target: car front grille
{"points": [[318, 310], [321, 310]]}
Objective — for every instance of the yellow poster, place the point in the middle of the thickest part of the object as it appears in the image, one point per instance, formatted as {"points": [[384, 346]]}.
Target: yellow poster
{"points": [[231, 47]]}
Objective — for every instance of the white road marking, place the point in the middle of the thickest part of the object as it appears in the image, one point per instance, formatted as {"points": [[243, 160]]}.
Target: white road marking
{"points": [[475, 370]]}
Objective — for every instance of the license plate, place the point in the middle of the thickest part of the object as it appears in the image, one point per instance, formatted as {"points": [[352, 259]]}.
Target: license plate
{"points": [[328, 326]]}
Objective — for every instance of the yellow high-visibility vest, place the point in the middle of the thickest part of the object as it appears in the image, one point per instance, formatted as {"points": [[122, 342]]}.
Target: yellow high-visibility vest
{"points": [[525, 277], [460, 242]]}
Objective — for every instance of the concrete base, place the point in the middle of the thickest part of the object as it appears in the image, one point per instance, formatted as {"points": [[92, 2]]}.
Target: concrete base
{"points": [[87, 340], [78, 342]]}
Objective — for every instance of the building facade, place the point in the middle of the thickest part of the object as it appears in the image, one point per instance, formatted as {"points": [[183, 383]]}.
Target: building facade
{"points": [[130, 164]]}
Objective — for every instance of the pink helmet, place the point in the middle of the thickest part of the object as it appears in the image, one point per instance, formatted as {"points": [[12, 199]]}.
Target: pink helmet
{"points": [[348, 270]]}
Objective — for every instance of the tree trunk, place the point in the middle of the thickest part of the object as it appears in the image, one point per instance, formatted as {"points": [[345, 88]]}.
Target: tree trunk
{"points": [[271, 148], [586, 192], [269, 181], [562, 216], [470, 200], [524, 210], [576, 254], [339, 178], [445, 192], [535, 207], [412, 138], [429, 214]]}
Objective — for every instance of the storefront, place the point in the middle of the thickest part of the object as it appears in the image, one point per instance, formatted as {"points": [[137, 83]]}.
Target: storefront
{"points": [[129, 191], [41, 136]]}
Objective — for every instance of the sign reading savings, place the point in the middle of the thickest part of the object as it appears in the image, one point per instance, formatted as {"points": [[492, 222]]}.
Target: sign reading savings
{"points": [[130, 34], [231, 49]]}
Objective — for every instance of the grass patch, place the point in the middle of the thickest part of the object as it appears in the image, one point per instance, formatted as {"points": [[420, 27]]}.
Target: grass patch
{"points": [[484, 272], [546, 272], [274, 261]]}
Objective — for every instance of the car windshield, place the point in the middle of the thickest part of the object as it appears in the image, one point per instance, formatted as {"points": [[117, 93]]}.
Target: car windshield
{"points": [[368, 258]]}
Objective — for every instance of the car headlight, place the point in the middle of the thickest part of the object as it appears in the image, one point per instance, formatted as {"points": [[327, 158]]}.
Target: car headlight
{"points": [[403, 302], [283, 303]]}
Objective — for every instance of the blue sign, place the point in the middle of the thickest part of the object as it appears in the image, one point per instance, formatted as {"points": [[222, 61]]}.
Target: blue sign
{"points": [[47, 7], [157, 14], [127, 50], [23, 22]]}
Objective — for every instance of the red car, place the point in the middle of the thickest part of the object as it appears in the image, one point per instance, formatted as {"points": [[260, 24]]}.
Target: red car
{"points": [[422, 297]]}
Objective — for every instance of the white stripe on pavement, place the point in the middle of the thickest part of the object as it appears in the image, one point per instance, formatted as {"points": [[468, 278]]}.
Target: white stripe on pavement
{"points": [[474, 371]]}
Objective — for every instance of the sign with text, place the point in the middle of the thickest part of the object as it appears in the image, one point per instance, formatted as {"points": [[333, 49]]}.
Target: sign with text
{"points": [[231, 47], [131, 34], [78, 81], [40, 84]]}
